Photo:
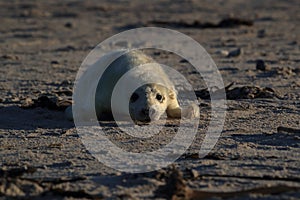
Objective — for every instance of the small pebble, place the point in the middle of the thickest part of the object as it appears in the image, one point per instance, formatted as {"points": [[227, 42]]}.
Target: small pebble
{"points": [[235, 53], [261, 65], [54, 62], [69, 25], [194, 173], [261, 33], [223, 53]]}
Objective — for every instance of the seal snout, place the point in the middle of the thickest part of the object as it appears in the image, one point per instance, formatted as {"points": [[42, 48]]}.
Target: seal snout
{"points": [[148, 114], [145, 111]]}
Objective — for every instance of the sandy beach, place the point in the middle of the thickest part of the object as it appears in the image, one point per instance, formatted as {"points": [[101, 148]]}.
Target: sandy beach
{"points": [[256, 48]]}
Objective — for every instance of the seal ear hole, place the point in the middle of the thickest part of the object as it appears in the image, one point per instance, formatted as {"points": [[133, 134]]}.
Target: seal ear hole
{"points": [[134, 97]]}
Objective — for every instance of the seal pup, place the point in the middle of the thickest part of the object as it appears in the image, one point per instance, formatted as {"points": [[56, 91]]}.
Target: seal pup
{"points": [[148, 102]]}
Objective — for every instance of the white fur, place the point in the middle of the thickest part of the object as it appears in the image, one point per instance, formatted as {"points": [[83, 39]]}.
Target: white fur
{"points": [[139, 67]]}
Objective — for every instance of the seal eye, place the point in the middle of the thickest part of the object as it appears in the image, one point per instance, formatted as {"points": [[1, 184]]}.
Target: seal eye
{"points": [[134, 97], [159, 97]]}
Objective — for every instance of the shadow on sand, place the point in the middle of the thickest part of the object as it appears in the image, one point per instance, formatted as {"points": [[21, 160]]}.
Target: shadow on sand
{"points": [[16, 118]]}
